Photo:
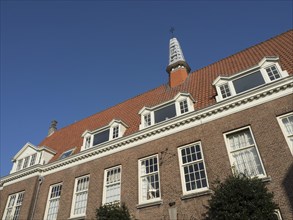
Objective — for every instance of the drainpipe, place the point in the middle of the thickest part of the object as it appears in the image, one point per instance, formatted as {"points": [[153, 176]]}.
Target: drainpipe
{"points": [[41, 179], [172, 211]]}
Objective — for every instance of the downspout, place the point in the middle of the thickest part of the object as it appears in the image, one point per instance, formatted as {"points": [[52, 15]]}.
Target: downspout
{"points": [[41, 179]]}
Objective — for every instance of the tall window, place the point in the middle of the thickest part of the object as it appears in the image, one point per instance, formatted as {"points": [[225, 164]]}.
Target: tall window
{"points": [[286, 123], [13, 206], [192, 168], [112, 185], [53, 202], [183, 106], [149, 181], [79, 202], [243, 153]]}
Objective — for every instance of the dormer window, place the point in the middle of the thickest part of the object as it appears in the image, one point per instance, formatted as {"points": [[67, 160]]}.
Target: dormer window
{"points": [[225, 90], [19, 164], [87, 143], [33, 159], [25, 163], [181, 104], [101, 137], [114, 130], [147, 120], [267, 71], [31, 155], [165, 113], [273, 73], [66, 154]]}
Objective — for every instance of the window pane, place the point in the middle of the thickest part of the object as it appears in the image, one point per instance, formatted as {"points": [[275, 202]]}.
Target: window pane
{"points": [[101, 137], [13, 207], [112, 185], [165, 113], [193, 168], [245, 158], [81, 194], [248, 82], [149, 179]]}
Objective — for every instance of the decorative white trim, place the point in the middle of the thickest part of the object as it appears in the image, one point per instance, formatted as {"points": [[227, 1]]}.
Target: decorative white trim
{"points": [[88, 136], [49, 197], [270, 92], [285, 133], [176, 100], [105, 182], [181, 165], [140, 176], [265, 63], [264, 175], [72, 215]]}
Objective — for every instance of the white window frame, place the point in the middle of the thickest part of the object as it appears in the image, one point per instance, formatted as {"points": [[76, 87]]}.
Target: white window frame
{"points": [[75, 195], [26, 162], [108, 185], [197, 161], [51, 200], [19, 164], [15, 207], [89, 135], [115, 132], [177, 100], [254, 145], [33, 159], [285, 132], [263, 65], [142, 176]]}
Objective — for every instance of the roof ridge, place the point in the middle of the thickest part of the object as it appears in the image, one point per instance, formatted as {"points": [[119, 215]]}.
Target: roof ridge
{"points": [[241, 51]]}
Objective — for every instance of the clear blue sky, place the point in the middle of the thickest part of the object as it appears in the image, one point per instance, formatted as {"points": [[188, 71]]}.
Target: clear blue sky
{"points": [[67, 60]]}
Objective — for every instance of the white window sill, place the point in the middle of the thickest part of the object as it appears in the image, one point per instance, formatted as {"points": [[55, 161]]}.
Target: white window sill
{"points": [[266, 179], [154, 203], [77, 217], [196, 194]]}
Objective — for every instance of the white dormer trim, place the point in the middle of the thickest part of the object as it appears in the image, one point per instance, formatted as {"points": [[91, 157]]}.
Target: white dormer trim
{"points": [[225, 85], [30, 155], [148, 113], [116, 129]]}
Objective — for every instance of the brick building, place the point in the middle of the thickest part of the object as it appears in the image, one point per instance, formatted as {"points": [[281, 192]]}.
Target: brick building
{"points": [[160, 151]]}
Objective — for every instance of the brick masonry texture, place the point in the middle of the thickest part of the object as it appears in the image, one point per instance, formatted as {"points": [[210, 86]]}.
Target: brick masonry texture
{"points": [[269, 140]]}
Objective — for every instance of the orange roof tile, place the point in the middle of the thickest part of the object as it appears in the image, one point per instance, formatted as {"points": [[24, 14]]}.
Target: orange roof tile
{"points": [[198, 84]]}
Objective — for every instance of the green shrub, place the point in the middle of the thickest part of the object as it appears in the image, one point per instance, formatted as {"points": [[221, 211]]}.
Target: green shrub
{"points": [[113, 212], [241, 198]]}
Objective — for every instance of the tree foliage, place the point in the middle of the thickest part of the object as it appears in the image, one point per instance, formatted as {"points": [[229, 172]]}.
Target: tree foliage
{"points": [[113, 212], [241, 198]]}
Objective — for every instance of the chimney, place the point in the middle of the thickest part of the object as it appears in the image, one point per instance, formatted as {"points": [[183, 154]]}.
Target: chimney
{"points": [[52, 128], [178, 69]]}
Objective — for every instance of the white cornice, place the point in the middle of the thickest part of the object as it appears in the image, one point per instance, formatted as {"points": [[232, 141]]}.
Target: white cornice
{"points": [[235, 104]]}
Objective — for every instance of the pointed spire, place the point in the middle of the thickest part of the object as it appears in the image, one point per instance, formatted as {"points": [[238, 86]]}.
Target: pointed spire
{"points": [[52, 128], [177, 63]]}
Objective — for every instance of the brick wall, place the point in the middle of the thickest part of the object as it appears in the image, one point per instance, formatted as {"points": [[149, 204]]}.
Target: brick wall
{"points": [[269, 138]]}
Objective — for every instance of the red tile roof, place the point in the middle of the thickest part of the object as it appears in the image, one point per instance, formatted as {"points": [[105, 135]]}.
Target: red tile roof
{"points": [[198, 84]]}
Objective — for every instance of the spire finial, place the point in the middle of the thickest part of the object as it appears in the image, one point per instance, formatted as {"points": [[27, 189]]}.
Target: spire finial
{"points": [[172, 29]]}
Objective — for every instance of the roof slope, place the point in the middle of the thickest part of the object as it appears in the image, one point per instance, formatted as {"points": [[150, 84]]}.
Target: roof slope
{"points": [[198, 84]]}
